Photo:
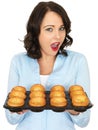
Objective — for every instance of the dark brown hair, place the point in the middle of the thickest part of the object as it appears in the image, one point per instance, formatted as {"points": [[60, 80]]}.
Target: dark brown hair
{"points": [[31, 42]]}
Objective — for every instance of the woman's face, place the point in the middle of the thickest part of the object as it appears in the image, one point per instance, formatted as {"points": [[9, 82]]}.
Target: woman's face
{"points": [[52, 34]]}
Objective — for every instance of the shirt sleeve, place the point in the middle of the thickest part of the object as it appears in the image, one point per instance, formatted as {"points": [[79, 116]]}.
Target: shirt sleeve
{"points": [[14, 118], [83, 78], [13, 80], [82, 119], [83, 75]]}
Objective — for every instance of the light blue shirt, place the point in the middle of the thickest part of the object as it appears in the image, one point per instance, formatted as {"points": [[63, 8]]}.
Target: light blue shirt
{"points": [[68, 70]]}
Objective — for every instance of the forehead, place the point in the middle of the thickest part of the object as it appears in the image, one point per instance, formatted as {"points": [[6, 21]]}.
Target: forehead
{"points": [[52, 18]]}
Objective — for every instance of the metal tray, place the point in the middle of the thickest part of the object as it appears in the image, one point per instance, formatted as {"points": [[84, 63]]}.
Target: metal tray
{"points": [[47, 106]]}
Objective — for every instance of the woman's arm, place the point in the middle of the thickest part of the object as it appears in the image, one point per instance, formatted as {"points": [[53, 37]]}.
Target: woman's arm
{"points": [[13, 80], [83, 79]]}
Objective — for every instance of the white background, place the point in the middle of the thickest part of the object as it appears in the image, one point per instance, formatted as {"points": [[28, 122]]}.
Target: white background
{"points": [[13, 18]]}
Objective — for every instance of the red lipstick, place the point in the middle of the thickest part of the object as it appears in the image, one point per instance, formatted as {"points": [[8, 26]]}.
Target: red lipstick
{"points": [[54, 46]]}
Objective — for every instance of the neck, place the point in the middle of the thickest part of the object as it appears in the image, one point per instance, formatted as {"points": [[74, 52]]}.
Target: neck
{"points": [[47, 58], [46, 64]]}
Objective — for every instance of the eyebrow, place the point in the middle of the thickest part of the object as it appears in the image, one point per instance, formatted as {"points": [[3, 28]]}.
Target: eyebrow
{"points": [[50, 26]]}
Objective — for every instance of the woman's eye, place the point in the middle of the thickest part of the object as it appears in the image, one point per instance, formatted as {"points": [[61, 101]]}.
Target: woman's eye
{"points": [[49, 29], [62, 28]]}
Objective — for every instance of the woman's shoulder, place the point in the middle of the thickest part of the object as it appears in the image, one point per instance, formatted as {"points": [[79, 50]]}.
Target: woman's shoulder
{"points": [[20, 57], [74, 54]]}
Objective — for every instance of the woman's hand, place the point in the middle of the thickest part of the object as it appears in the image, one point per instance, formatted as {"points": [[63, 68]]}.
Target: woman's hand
{"points": [[73, 112], [21, 112]]}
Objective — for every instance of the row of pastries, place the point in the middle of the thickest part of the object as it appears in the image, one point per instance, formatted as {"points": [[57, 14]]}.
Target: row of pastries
{"points": [[37, 96]]}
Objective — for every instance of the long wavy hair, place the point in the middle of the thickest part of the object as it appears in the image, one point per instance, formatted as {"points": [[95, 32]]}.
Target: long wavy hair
{"points": [[31, 42]]}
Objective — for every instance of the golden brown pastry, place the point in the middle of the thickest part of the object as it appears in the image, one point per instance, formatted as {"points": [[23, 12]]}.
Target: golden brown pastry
{"points": [[37, 94], [37, 102], [58, 88], [37, 87], [15, 93], [15, 102], [19, 88], [77, 92], [57, 94], [58, 101], [80, 100], [75, 87]]}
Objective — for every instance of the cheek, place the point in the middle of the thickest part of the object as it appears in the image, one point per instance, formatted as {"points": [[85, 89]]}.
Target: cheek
{"points": [[41, 39], [63, 37], [44, 39]]}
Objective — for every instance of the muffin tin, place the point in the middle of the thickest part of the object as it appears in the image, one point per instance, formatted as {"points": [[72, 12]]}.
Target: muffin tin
{"points": [[47, 106]]}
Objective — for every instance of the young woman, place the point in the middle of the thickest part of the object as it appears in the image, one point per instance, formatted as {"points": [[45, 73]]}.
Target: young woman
{"points": [[48, 62]]}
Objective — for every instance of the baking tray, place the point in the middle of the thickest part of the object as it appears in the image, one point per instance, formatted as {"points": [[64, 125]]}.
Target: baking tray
{"points": [[47, 106]]}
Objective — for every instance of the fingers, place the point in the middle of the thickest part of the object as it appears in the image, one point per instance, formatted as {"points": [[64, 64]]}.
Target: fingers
{"points": [[21, 112], [73, 112]]}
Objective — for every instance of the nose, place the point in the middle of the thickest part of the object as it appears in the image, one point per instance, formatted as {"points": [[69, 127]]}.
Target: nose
{"points": [[57, 34]]}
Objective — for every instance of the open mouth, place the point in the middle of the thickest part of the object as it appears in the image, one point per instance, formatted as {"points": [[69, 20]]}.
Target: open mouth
{"points": [[55, 46]]}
